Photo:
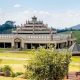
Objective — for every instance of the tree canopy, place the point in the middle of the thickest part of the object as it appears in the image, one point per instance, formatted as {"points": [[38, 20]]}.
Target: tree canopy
{"points": [[7, 27]]}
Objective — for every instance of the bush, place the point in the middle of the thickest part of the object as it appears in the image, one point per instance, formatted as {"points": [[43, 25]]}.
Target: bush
{"points": [[49, 64], [16, 74], [28, 74], [7, 70], [1, 69], [13, 74]]}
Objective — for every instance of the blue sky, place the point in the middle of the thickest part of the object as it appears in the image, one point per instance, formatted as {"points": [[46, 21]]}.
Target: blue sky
{"points": [[57, 13]]}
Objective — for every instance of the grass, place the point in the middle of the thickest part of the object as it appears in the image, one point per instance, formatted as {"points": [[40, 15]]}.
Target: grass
{"points": [[4, 61], [5, 49], [18, 65], [75, 59], [9, 78], [74, 68], [75, 64], [19, 54], [16, 60], [28, 55]]}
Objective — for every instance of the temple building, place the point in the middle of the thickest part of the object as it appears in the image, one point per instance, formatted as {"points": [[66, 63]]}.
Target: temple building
{"points": [[35, 33], [34, 27]]}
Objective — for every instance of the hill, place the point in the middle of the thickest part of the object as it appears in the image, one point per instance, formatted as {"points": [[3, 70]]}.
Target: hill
{"points": [[76, 27]]}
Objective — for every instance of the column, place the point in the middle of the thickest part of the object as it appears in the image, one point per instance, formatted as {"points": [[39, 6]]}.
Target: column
{"points": [[4, 45], [67, 44], [31, 46], [25, 46], [55, 45], [22, 45], [12, 44]]}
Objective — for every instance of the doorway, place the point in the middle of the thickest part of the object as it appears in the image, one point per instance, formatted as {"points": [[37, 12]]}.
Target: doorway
{"points": [[17, 43]]}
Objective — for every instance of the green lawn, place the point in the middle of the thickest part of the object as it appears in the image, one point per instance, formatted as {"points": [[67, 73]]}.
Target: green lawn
{"points": [[75, 64], [23, 57], [9, 78], [5, 49], [17, 60], [16, 54], [76, 59], [23, 62]]}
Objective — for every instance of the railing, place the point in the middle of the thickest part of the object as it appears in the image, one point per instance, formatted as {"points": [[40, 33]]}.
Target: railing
{"points": [[47, 37]]}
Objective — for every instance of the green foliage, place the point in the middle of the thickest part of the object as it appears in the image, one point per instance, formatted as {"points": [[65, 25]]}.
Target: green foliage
{"points": [[6, 67], [75, 33], [7, 70], [7, 27], [28, 75], [13, 74], [49, 64], [16, 74]]}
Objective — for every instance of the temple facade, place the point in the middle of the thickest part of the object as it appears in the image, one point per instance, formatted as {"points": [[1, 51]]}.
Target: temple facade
{"points": [[35, 33], [34, 27]]}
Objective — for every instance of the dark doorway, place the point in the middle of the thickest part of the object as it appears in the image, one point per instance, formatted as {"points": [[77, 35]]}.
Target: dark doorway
{"points": [[28, 46], [17, 44], [7, 45], [35, 46], [1, 45]]}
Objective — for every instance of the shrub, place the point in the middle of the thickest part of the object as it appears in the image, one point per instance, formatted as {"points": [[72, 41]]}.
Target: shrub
{"points": [[13, 74], [7, 70], [18, 73], [49, 64]]}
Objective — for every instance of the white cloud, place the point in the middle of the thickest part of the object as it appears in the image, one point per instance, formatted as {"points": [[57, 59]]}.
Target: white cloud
{"points": [[17, 5], [55, 19]]}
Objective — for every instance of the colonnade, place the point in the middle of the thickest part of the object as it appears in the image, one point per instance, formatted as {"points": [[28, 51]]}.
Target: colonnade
{"points": [[5, 45], [46, 45]]}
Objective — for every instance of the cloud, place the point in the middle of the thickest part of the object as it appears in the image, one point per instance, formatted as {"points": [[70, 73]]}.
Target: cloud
{"points": [[53, 18], [17, 5]]}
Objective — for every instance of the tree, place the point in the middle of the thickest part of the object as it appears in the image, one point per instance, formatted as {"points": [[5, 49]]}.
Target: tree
{"points": [[49, 64], [7, 27]]}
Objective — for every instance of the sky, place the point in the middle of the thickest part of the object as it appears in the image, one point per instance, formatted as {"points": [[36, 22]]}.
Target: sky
{"points": [[56, 13]]}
